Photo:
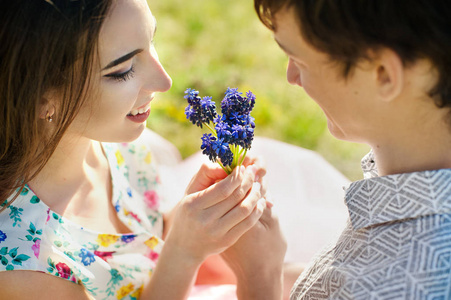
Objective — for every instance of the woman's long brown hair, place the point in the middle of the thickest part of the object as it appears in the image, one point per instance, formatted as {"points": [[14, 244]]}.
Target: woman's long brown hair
{"points": [[44, 46]]}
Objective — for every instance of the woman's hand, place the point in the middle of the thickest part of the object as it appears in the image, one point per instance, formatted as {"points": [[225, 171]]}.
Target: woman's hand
{"points": [[215, 212]]}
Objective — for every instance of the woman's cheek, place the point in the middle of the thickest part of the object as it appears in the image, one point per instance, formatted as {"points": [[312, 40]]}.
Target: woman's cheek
{"points": [[120, 99]]}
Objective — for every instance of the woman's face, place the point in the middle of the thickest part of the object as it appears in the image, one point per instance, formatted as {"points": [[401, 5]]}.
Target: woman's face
{"points": [[126, 77]]}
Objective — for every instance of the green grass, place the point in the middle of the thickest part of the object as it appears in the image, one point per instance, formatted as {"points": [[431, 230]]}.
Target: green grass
{"points": [[212, 45]]}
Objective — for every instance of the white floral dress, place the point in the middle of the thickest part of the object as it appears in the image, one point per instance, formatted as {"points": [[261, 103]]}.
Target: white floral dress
{"points": [[33, 237]]}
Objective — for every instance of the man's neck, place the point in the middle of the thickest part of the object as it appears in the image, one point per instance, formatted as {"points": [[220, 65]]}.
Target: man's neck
{"points": [[423, 147]]}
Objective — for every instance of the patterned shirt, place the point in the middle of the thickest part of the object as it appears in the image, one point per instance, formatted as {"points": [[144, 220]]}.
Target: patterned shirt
{"points": [[110, 266], [397, 244]]}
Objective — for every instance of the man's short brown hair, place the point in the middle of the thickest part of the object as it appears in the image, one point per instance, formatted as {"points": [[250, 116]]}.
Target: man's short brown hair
{"points": [[347, 29]]}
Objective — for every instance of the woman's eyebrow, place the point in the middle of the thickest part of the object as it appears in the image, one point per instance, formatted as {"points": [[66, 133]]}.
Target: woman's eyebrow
{"points": [[122, 59]]}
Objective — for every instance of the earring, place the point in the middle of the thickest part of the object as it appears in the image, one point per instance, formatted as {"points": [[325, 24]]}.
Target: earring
{"points": [[48, 117]]}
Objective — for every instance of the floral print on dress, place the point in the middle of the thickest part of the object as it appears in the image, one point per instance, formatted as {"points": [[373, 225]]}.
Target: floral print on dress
{"points": [[107, 239], [109, 266], [125, 290], [87, 257], [105, 255], [2, 236], [151, 199], [61, 270], [11, 258], [36, 248], [15, 214]]}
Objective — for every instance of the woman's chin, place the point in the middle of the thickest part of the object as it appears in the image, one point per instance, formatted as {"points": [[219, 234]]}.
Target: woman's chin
{"points": [[125, 136], [133, 135]]}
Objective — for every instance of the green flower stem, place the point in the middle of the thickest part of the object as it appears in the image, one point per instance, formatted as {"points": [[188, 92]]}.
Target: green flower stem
{"points": [[234, 149], [238, 156], [211, 129], [241, 152], [227, 171], [244, 155]]}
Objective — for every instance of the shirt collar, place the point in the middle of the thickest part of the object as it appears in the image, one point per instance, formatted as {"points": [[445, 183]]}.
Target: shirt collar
{"points": [[369, 166], [376, 200]]}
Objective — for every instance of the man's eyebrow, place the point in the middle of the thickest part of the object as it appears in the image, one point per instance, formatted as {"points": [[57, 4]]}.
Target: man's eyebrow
{"points": [[155, 28], [122, 59]]}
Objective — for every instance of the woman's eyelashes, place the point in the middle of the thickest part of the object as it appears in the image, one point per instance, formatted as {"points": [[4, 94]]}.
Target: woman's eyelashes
{"points": [[121, 77]]}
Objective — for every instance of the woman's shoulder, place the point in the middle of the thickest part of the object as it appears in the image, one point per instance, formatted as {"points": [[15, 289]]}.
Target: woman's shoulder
{"points": [[32, 236], [22, 224]]}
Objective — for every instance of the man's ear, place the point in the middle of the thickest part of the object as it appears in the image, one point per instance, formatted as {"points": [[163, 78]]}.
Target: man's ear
{"points": [[389, 74]]}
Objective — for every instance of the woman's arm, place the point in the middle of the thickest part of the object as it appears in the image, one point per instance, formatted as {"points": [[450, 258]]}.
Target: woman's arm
{"points": [[40, 286], [207, 221]]}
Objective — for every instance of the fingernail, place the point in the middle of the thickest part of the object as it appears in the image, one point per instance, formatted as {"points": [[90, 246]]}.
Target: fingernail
{"points": [[242, 169], [257, 185], [254, 169], [261, 204], [269, 204], [269, 200]]}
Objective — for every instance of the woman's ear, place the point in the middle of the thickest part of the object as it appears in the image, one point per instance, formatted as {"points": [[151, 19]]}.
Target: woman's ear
{"points": [[47, 108], [389, 74]]}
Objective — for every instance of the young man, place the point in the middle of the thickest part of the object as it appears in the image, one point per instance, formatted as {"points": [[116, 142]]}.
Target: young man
{"points": [[381, 72]]}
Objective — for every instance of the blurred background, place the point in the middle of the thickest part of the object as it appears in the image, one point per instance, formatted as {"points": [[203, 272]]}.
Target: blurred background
{"points": [[212, 45]]}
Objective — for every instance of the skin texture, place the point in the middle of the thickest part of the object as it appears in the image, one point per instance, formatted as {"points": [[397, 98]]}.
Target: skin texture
{"points": [[77, 172], [381, 103], [254, 267], [216, 210], [136, 27]]}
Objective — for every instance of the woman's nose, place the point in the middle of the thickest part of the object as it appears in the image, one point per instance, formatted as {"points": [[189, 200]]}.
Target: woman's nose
{"points": [[293, 75], [158, 79], [164, 82]]}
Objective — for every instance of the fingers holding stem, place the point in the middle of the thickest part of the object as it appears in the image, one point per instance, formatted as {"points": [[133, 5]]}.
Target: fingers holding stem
{"points": [[245, 214]]}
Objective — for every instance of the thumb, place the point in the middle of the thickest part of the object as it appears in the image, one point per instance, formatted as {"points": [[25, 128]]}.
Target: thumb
{"points": [[207, 175]]}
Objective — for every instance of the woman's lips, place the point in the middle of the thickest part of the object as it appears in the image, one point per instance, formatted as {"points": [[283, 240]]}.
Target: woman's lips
{"points": [[140, 114], [140, 110], [139, 118]]}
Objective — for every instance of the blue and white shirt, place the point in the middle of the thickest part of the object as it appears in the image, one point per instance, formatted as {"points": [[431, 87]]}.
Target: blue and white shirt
{"points": [[397, 244]]}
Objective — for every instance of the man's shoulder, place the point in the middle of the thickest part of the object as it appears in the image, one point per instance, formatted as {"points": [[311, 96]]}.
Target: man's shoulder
{"points": [[389, 261]]}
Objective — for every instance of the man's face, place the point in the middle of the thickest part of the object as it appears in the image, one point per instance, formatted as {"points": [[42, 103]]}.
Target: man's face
{"points": [[345, 102]]}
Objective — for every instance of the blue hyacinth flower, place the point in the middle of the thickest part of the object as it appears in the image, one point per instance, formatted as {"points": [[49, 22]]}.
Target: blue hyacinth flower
{"points": [[232, 132]]}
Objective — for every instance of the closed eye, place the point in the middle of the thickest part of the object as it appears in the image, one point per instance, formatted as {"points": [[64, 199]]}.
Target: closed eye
{"points": [[121, 77]]}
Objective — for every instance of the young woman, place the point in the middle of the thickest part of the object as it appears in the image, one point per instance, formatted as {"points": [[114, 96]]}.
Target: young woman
{"points": [[78, 186]]}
